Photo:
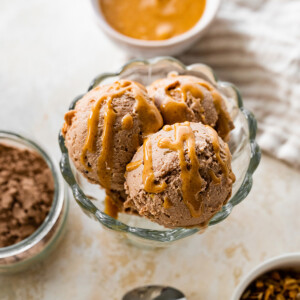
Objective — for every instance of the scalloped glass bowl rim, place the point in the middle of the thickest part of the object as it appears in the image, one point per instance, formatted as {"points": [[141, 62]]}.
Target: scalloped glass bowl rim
{"points": [[167, 235]]}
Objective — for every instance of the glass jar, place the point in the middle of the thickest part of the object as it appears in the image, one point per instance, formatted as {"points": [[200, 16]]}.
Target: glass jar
{"points": [[36, 247], [243, 147]]}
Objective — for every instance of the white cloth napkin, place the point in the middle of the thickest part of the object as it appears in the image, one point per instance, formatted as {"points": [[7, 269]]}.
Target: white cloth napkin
{"points": [[256, 45]]}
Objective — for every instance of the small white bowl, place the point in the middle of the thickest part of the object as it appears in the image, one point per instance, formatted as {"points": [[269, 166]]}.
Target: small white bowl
{"points": [[170, 46], [286, 261]]}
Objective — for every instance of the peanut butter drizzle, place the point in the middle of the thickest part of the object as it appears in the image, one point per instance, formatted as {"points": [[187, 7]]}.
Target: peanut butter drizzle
{"points": [[176, 111], [224, 122], [133, 165], [92, 126], [127, 122], [148, 175], [110, 208], [68, 121], [149, 117], [105, 160], [194, 89], [214, 177], [173, 111], [167, 203], [190, 178], [216, 146], [167, 128]]}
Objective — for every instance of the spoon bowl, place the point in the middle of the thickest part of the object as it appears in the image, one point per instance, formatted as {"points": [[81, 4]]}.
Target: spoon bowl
{"points": [[154, 292]]}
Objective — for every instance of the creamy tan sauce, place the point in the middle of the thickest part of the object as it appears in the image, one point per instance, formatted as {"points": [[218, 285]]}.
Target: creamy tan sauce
{"points": [[167, 203], [224, 120], [110, 208], [149, 115], [152, 19], [175, 110], [214, 177], [167, 128], [127, 122], [216, 146], [190, 178], [150, 185], [133, 165]]}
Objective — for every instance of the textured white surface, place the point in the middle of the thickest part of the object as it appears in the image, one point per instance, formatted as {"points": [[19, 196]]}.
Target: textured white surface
{"points": [[49, 52]]}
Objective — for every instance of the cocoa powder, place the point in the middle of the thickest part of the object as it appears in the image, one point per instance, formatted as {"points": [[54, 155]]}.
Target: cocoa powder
{"points": [[26, 193]]}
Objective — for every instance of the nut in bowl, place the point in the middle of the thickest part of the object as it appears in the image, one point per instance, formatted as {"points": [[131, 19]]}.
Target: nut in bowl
{"points": [[217, 163], [128, 22], [276, 278]]}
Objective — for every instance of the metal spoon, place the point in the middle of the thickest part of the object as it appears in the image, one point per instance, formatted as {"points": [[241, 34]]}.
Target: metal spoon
{"points": [[154, 292]]}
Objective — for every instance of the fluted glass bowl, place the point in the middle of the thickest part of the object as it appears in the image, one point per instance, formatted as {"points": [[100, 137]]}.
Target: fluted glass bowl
{"points": [[244, 149]]}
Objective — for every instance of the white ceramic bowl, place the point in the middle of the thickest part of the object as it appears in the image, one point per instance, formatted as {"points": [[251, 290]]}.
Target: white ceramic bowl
{"points": [[170, 46], [286, 261]]}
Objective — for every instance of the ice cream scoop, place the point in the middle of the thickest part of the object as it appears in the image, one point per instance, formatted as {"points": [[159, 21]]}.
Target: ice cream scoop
{"points": [[181, 176], [189, 98], [105, 129]]}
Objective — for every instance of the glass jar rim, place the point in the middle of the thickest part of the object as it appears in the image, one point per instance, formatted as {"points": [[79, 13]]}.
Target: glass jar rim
{"points": [[56, 206]]}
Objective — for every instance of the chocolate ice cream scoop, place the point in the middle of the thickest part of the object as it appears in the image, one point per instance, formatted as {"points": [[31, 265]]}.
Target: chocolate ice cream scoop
{"points": [[105, 129], [188, 98], [181, 176]]}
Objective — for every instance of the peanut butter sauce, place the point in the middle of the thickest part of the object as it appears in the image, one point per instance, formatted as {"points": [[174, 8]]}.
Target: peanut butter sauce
{"points": [[216, 146], [175, 110], [190, 177], [148, 175], [152, 19], [110, 208], [167, 203], [105, 160], [133, 165], [127, 122], [167, 128], [224, 123], [214, 177], [92, 126], [149, 116]]}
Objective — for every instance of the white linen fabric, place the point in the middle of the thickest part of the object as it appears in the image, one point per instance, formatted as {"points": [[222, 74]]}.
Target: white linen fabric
{"points": [[256, 45]]}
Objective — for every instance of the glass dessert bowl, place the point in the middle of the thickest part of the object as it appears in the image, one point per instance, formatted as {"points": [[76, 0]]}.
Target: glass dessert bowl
{"points": [[245, 154]]}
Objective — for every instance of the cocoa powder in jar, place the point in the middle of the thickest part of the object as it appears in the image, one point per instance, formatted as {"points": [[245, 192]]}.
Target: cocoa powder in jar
{"points": [[26, 193]]}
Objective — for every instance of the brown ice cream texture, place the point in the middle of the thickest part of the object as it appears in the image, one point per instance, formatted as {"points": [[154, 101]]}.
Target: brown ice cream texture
{"points": [[104, 131], [188, 98], [181, 176]]}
